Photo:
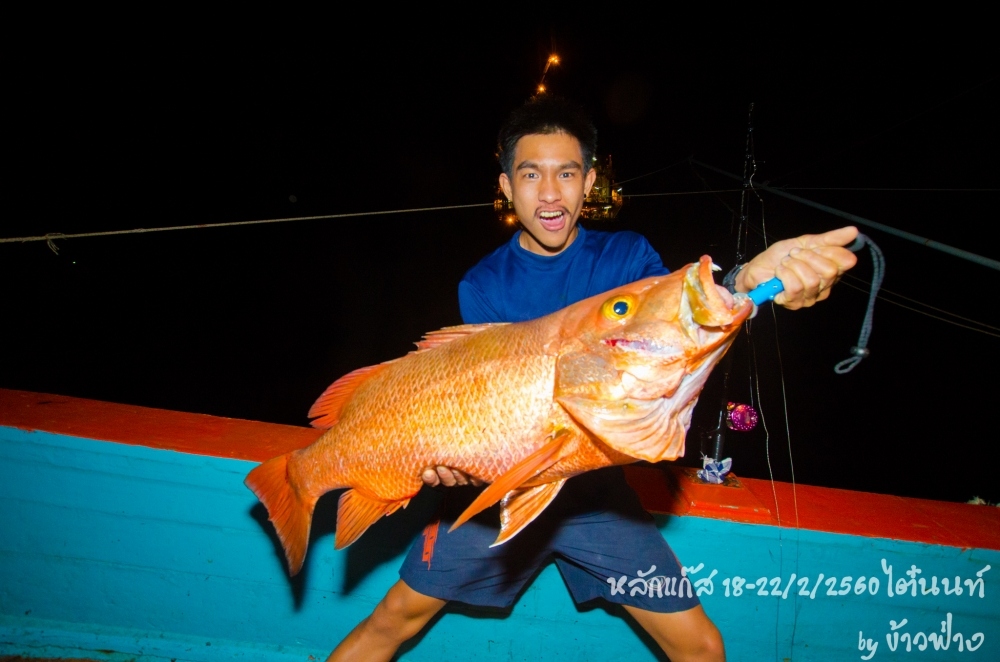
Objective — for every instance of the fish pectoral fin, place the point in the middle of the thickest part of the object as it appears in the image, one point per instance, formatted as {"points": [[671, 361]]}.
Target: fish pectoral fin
{"points": [[530, 466], [520, 507], [356, 512], [643, 429]]}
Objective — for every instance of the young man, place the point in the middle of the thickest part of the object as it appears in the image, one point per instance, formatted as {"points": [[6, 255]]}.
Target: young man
{"points": [[546, 152]]}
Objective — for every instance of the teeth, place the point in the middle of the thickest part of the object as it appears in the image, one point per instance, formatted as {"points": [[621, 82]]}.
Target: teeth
{"points": [[550, 214]]}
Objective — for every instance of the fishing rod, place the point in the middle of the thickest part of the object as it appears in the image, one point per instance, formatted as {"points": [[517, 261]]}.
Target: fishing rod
{"points": [[742, 417]]}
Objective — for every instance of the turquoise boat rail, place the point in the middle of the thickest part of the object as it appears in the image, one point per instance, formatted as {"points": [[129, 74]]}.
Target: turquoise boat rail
{"points": [[129, 535]]}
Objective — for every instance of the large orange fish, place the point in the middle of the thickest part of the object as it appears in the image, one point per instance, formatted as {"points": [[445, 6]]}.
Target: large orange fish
{"points": [[610, 380]]}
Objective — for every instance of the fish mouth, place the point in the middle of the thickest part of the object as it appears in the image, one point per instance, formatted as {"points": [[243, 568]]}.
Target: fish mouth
{"points": [[642, 346], [706, 314]]}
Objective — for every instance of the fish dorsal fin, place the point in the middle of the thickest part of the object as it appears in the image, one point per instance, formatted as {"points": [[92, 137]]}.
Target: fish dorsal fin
{"points": [[520, 507], [326, 409], [530, 466], [356, 512], [443, 336]]}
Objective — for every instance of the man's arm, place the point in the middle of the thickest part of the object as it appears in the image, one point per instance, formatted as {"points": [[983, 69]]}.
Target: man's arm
{"points": [[807, 267]]}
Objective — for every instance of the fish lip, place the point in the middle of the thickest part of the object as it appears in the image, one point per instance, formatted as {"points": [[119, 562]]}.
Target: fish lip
{"points": [[746, 308]]}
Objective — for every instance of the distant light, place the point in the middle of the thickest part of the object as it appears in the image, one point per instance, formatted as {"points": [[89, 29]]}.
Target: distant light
{"points": [[510, 219], [553, 59], [541, 89]]}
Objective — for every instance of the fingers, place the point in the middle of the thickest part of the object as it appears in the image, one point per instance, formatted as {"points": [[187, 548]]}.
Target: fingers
{"points": [[808, 274], [434, 476], [430, 477], [807, 266], [839, 237]]}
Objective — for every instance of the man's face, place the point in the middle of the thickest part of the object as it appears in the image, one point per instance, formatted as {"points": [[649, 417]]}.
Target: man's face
{"points": [[548, 187]]}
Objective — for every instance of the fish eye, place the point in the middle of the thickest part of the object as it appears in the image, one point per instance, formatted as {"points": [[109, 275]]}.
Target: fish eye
{"points": [[618, 308]]}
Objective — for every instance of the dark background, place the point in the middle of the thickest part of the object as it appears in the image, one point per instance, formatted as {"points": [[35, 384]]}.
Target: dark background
{"points": [[159, 127]]}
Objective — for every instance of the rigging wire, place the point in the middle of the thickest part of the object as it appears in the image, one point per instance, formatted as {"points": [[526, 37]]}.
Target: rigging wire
{"points": [[875, 188], [52, 236], [882, 290], [858, 143], [669, 193], [672, 165], [920, 312]]}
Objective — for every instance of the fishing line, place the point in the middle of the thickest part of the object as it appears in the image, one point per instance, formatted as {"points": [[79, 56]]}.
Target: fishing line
{"points": [[751, 162]]}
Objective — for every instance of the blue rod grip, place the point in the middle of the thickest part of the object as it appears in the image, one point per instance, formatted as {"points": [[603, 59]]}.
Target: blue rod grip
{"points": [[766, 291]]}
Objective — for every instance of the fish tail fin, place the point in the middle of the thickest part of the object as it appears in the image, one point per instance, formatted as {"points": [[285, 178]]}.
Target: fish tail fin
{"points": [[290, 511]]}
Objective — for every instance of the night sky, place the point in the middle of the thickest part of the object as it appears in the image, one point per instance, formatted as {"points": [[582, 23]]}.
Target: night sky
{"points": [[255, 321]]}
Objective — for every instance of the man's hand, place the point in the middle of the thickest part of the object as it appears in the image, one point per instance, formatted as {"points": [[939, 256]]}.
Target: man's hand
{"points": [[434, 476], [807, 266]]}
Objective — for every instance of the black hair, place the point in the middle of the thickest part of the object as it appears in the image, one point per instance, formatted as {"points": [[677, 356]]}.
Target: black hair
{"points": [[545, 115]]}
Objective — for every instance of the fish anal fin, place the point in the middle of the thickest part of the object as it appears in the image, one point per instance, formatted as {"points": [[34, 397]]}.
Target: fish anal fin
{"points": [[444, 336], [290, 512], [537, 462], [356, 512], [326, 409], [520, 507]]}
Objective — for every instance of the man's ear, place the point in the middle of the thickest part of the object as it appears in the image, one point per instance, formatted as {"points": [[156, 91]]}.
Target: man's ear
{"points": [[588, 181], [505, 185]]}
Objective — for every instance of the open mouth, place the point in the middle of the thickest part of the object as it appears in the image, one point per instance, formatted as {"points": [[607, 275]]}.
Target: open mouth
{"points": [[553, 221]]}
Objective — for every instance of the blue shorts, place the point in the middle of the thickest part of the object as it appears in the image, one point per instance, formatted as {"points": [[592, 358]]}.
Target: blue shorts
{"points": [[603, 542]]}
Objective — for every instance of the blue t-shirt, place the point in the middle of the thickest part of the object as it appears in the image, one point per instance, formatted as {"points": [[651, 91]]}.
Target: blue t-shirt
{"points": [[512, 284]]}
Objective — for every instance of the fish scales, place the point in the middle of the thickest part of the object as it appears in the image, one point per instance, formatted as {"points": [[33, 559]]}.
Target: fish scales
{"points": [[469, 404], [609, 380]]}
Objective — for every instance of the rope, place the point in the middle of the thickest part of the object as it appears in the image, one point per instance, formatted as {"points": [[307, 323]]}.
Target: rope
{"points": [[860, 350], [50, 237]]}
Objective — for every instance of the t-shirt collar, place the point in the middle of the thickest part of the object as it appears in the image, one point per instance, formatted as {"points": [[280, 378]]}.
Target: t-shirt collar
{"points": [[545, 260]]}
